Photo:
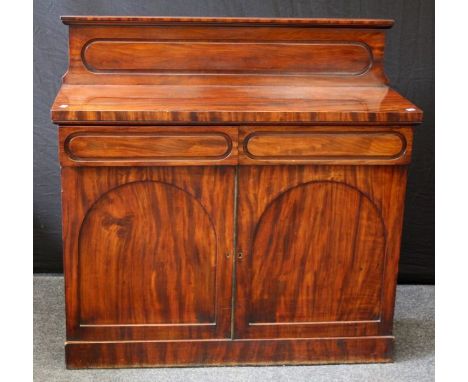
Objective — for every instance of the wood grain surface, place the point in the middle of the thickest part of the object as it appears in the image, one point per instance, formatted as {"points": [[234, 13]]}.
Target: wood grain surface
{"points": [[325, 145], [232, 191], [292, 145], [305, 235], [115, 146], [144, 146], [228, 70], [320, 247], [217, 353], [137, 246], [153, 56], [204, 104], [145, 252], [218, 145], [248, 46]]}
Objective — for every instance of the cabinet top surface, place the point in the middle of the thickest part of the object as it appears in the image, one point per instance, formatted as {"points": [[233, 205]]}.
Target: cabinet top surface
{"points": [[231, 104], [151, 20], [153, 70]]}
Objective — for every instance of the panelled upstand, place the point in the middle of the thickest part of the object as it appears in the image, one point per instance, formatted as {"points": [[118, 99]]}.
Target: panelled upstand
{"points": [[232, 191]]}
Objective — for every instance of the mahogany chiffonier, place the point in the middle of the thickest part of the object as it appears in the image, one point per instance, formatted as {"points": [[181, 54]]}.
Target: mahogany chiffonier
{"points": [[232, 191]]}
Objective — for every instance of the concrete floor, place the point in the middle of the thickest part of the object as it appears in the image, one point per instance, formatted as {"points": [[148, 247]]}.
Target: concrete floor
{"points": [[414, 358]]}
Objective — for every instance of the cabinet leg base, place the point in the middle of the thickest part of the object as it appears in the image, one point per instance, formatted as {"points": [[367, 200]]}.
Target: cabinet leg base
{"points": [[228, 352]]}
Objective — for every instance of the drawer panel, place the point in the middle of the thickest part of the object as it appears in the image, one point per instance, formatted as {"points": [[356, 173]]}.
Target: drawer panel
{"points": [[325, 145], [148, 145], [153, 145]]}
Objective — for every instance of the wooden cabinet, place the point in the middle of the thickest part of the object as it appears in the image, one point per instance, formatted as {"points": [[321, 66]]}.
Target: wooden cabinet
{"points": [[232, 191]]}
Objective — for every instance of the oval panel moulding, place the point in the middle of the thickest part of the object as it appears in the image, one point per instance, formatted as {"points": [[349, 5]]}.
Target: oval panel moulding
{"points": [[228, 57], [324, 145], [89, 147]]}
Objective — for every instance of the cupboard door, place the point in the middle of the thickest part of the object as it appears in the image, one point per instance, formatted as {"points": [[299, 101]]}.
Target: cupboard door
{"points": [[145, 252], [318, 250]]}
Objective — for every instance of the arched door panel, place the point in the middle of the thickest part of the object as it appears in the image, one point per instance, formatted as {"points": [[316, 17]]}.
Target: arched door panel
{"points": [[146, 252], [143, 261], [313, 243]]}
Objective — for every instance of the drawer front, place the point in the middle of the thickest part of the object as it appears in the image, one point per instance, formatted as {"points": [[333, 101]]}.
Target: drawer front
{"points": [[133, 146], [328, 145]]}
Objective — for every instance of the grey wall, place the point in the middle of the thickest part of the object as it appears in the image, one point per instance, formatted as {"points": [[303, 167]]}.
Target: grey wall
{"points": [[409, 64]]}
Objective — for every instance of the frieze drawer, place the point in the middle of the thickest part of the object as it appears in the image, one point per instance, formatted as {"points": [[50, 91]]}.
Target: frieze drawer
{"points": [[130, 146], [335, 145]]}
